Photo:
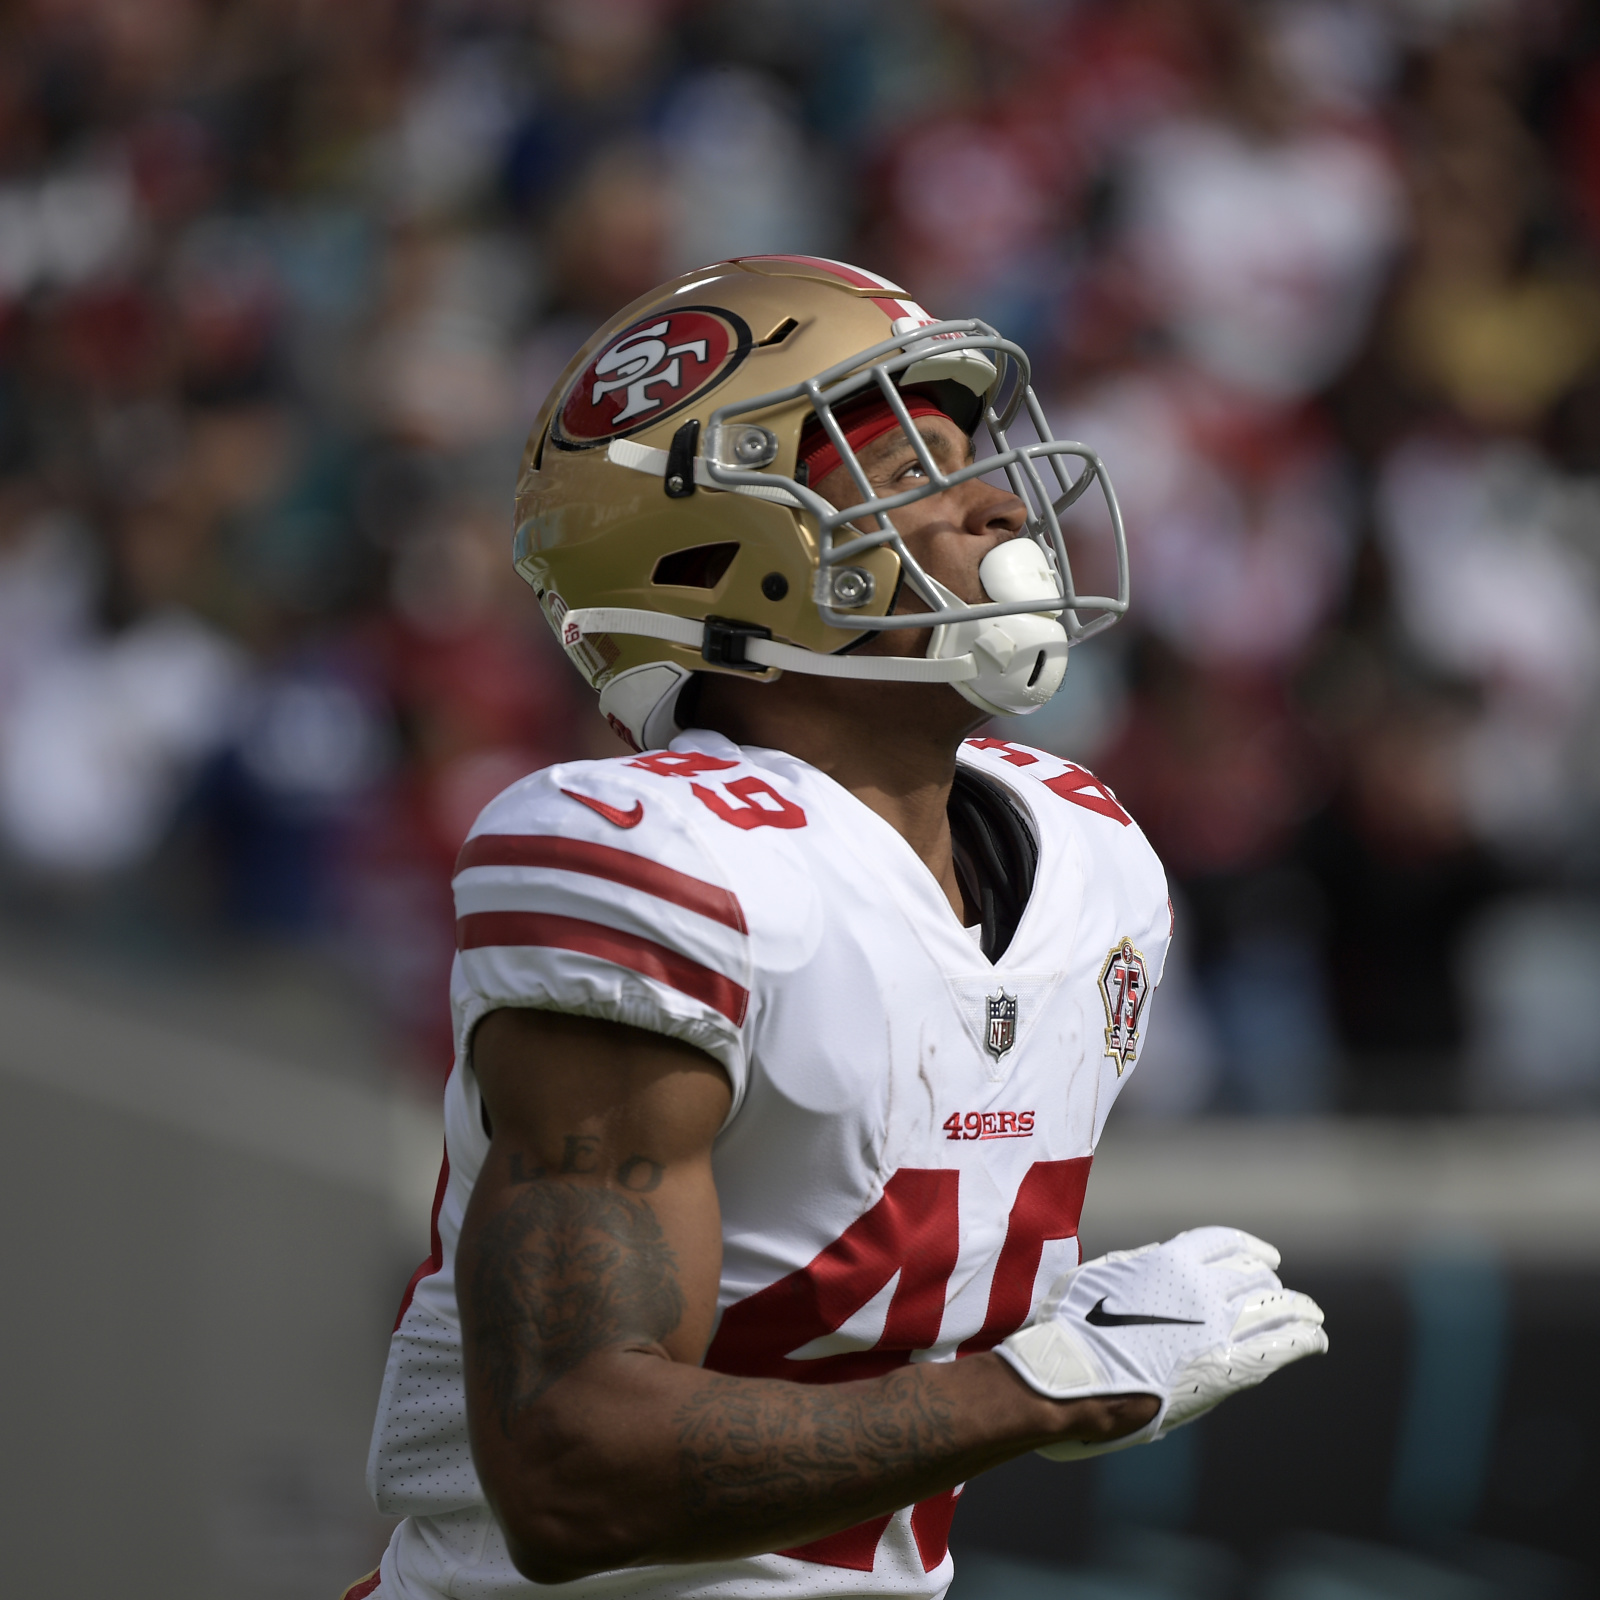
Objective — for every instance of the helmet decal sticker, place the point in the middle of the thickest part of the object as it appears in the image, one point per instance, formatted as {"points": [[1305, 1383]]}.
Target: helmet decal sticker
{"points": [[651, 369]]}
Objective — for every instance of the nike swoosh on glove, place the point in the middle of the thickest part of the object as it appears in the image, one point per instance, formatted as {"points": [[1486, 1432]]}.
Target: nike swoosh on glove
{"points": [[1190, 1321]]}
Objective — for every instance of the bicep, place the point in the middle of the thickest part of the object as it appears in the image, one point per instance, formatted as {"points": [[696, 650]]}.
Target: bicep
{"points": [[594, 1223]]}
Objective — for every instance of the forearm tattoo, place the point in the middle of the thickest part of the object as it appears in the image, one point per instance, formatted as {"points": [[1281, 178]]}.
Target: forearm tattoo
{"points": [[762, 1447], [565, 1270], [570, 1268]]}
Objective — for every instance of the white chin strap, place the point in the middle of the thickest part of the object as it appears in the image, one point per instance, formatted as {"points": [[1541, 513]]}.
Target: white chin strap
{"points": [[1005, 665]]}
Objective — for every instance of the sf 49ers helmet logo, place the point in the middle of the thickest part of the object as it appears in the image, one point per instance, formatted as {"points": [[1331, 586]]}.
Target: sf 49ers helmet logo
{"points": [[1124, 987], [650, 370]]}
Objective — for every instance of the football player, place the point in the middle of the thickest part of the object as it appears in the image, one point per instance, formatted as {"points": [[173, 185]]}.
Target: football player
{"points": [[784, 1040]]}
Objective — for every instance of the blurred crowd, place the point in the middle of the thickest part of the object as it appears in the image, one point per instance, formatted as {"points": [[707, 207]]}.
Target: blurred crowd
{"points": [[283, 284]]}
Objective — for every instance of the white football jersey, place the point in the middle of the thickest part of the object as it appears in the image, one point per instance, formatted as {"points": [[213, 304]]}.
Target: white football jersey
{"points": [[904, 1163]]}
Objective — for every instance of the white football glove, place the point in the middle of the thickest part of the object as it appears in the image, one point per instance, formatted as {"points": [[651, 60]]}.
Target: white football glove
{"points": [[1190, 1321]]}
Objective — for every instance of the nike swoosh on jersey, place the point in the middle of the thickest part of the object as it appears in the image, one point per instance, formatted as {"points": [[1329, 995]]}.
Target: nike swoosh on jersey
{"points": [[1099, 1317], [630, 818]]}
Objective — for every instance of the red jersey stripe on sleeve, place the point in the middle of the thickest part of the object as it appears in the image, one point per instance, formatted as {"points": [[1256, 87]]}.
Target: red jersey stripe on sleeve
{"points": [[602, 861], [644, 956]]}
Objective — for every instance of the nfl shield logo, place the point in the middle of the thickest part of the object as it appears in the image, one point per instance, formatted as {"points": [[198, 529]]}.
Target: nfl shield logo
{"points": [[1124, 987], [1001, 1032]]}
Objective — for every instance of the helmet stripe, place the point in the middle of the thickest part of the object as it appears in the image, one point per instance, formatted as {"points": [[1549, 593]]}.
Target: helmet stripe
{"points": [[856, 277], [894, 306]]}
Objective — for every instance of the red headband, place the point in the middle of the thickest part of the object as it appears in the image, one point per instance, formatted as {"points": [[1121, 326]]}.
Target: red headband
{"points": [[820, 457]]}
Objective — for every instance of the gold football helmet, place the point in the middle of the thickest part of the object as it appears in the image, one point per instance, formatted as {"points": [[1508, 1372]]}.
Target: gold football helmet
{"points": [[664, 518]]}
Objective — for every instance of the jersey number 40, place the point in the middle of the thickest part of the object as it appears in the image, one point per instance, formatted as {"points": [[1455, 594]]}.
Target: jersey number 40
{"points": [[913, 1230]]}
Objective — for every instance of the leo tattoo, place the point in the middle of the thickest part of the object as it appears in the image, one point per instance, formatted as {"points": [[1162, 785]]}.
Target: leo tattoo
{"points": [[564, 1271], [640, 1174], [580, 1155]]}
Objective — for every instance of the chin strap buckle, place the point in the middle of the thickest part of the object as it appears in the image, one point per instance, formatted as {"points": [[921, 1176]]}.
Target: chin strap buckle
{"points": [[679, 477], [725, 641]]}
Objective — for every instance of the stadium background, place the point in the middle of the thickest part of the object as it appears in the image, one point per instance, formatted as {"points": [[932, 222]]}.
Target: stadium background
{"points": [[282, 285]]}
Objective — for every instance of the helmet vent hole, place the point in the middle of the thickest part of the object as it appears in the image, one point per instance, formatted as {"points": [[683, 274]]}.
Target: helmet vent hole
{"points": [[779, 333], [1038, 667], [700, 567]]}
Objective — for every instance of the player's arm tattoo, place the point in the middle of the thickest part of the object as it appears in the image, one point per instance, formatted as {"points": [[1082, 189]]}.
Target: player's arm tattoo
{"points": [[760, 1447], [639, 1173], [565, 1270], [581, 1154]]}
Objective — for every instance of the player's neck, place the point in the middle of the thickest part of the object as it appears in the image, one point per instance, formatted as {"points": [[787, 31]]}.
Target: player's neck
{"points": [[892, 745]]}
